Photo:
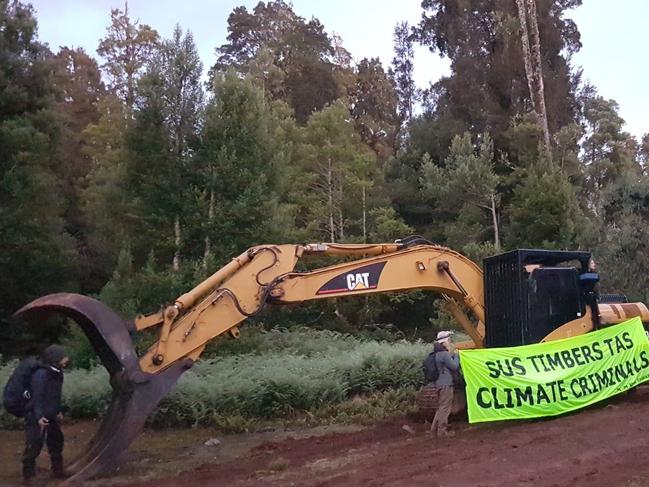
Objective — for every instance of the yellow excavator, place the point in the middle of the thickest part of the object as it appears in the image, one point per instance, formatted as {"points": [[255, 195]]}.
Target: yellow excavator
{"points": [[523, 296]]}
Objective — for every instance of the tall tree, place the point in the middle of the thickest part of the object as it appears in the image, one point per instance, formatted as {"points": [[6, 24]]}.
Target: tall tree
{"points": [[174, 73], [177, 68], [335, 159], [543, 212], [301, 49], [607, 150], [235, 166], [153, 180], [621, 248], [466, 186], [105, 198], [403, 69], [125, 50], [139, 188], [37, 255], [374, 107], [78, 89], [488, 86]]}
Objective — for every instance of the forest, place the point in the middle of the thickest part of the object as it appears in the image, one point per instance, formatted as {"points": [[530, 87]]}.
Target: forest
{"points": [[124, 174]]}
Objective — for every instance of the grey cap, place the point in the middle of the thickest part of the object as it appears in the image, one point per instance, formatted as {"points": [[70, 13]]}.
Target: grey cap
{"points": [[53, 354]]}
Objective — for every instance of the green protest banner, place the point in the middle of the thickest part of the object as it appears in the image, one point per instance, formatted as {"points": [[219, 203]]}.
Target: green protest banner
{"points": [[555, 377]]}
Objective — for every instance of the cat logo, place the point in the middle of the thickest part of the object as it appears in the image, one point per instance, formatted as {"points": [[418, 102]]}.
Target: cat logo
{"points": [[359, 279]]}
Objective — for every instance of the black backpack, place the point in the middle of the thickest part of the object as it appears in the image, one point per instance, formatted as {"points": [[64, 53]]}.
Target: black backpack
{"points": [[16, 393], [429, 367]]}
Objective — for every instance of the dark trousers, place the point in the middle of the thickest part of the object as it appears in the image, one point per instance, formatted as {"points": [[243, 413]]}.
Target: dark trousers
{"points": [[34, 439]]}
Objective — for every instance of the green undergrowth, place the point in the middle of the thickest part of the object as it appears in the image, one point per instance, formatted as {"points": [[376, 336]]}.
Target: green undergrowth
{"points": [[301, 375]]}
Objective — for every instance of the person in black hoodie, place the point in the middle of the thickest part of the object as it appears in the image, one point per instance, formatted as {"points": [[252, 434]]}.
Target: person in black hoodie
{"points": [[43, 413]]}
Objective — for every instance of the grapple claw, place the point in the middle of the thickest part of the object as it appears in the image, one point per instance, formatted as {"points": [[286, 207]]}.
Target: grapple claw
{"points": [[135, 393]]}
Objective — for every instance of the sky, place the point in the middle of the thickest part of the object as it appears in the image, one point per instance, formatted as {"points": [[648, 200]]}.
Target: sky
{"points": [[614, 56]]}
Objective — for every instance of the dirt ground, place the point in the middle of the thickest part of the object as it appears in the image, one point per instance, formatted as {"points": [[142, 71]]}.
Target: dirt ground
{"points": [[603, 446]]}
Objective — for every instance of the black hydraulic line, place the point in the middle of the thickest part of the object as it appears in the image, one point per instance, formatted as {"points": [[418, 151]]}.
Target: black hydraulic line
{"points": [[413, 240], [443, 266], [275, 259]]}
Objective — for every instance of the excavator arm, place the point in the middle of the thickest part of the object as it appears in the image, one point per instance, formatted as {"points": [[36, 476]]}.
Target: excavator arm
{"points": [[262, 275]]}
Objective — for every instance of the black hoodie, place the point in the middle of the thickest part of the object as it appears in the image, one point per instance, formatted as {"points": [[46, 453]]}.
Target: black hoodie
{"points": [[47, 385]]}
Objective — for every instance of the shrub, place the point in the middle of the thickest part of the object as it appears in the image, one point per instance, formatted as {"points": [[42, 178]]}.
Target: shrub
{"points": [[288, 372]]}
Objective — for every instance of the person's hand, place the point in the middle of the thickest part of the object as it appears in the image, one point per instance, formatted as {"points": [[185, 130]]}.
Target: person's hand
{"points": [[43, 423], [59, 417]]}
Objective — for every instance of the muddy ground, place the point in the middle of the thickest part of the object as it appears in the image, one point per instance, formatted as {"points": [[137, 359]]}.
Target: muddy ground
{"points": [[607, 445]]}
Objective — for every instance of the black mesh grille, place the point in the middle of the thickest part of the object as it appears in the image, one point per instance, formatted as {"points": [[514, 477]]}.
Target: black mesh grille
{"points": [[504, 300], [506, 294]]}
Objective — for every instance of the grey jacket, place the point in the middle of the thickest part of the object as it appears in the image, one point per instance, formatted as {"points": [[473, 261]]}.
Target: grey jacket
{"points": [[447, 365]]}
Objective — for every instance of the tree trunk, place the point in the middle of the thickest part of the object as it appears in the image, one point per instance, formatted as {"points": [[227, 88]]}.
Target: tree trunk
{"points": [[177, 235], [533, 67], [210, 219], [538, 65], [128, 69], [330, 197], [339, 205], [364, 202], [494, 218], [527, 55]]}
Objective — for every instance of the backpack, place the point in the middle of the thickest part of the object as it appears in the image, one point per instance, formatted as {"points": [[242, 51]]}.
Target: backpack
{"points": [[16, 393], [429, 367]]}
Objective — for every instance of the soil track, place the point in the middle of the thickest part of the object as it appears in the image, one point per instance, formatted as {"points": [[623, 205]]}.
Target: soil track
{"points": [[605, 446], [602, 446]]}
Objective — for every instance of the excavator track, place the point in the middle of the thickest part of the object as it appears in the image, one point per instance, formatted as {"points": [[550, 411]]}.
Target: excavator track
{"points": [[135, 393]]}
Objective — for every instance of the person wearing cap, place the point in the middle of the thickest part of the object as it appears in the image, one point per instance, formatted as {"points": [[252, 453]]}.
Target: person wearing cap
{"points": [[43, 413], [448, 364]]}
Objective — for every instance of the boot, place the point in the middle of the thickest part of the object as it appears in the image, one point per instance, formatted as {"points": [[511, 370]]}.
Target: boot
{"points": [[58, 471], [444, 433], [28, 475]]}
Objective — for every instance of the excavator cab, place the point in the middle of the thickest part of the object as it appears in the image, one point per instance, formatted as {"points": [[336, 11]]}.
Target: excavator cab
{"points": [[530, 293]]}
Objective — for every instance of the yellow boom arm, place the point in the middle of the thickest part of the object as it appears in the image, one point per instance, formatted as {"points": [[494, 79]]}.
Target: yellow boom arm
{"points": [[265, 274]]}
